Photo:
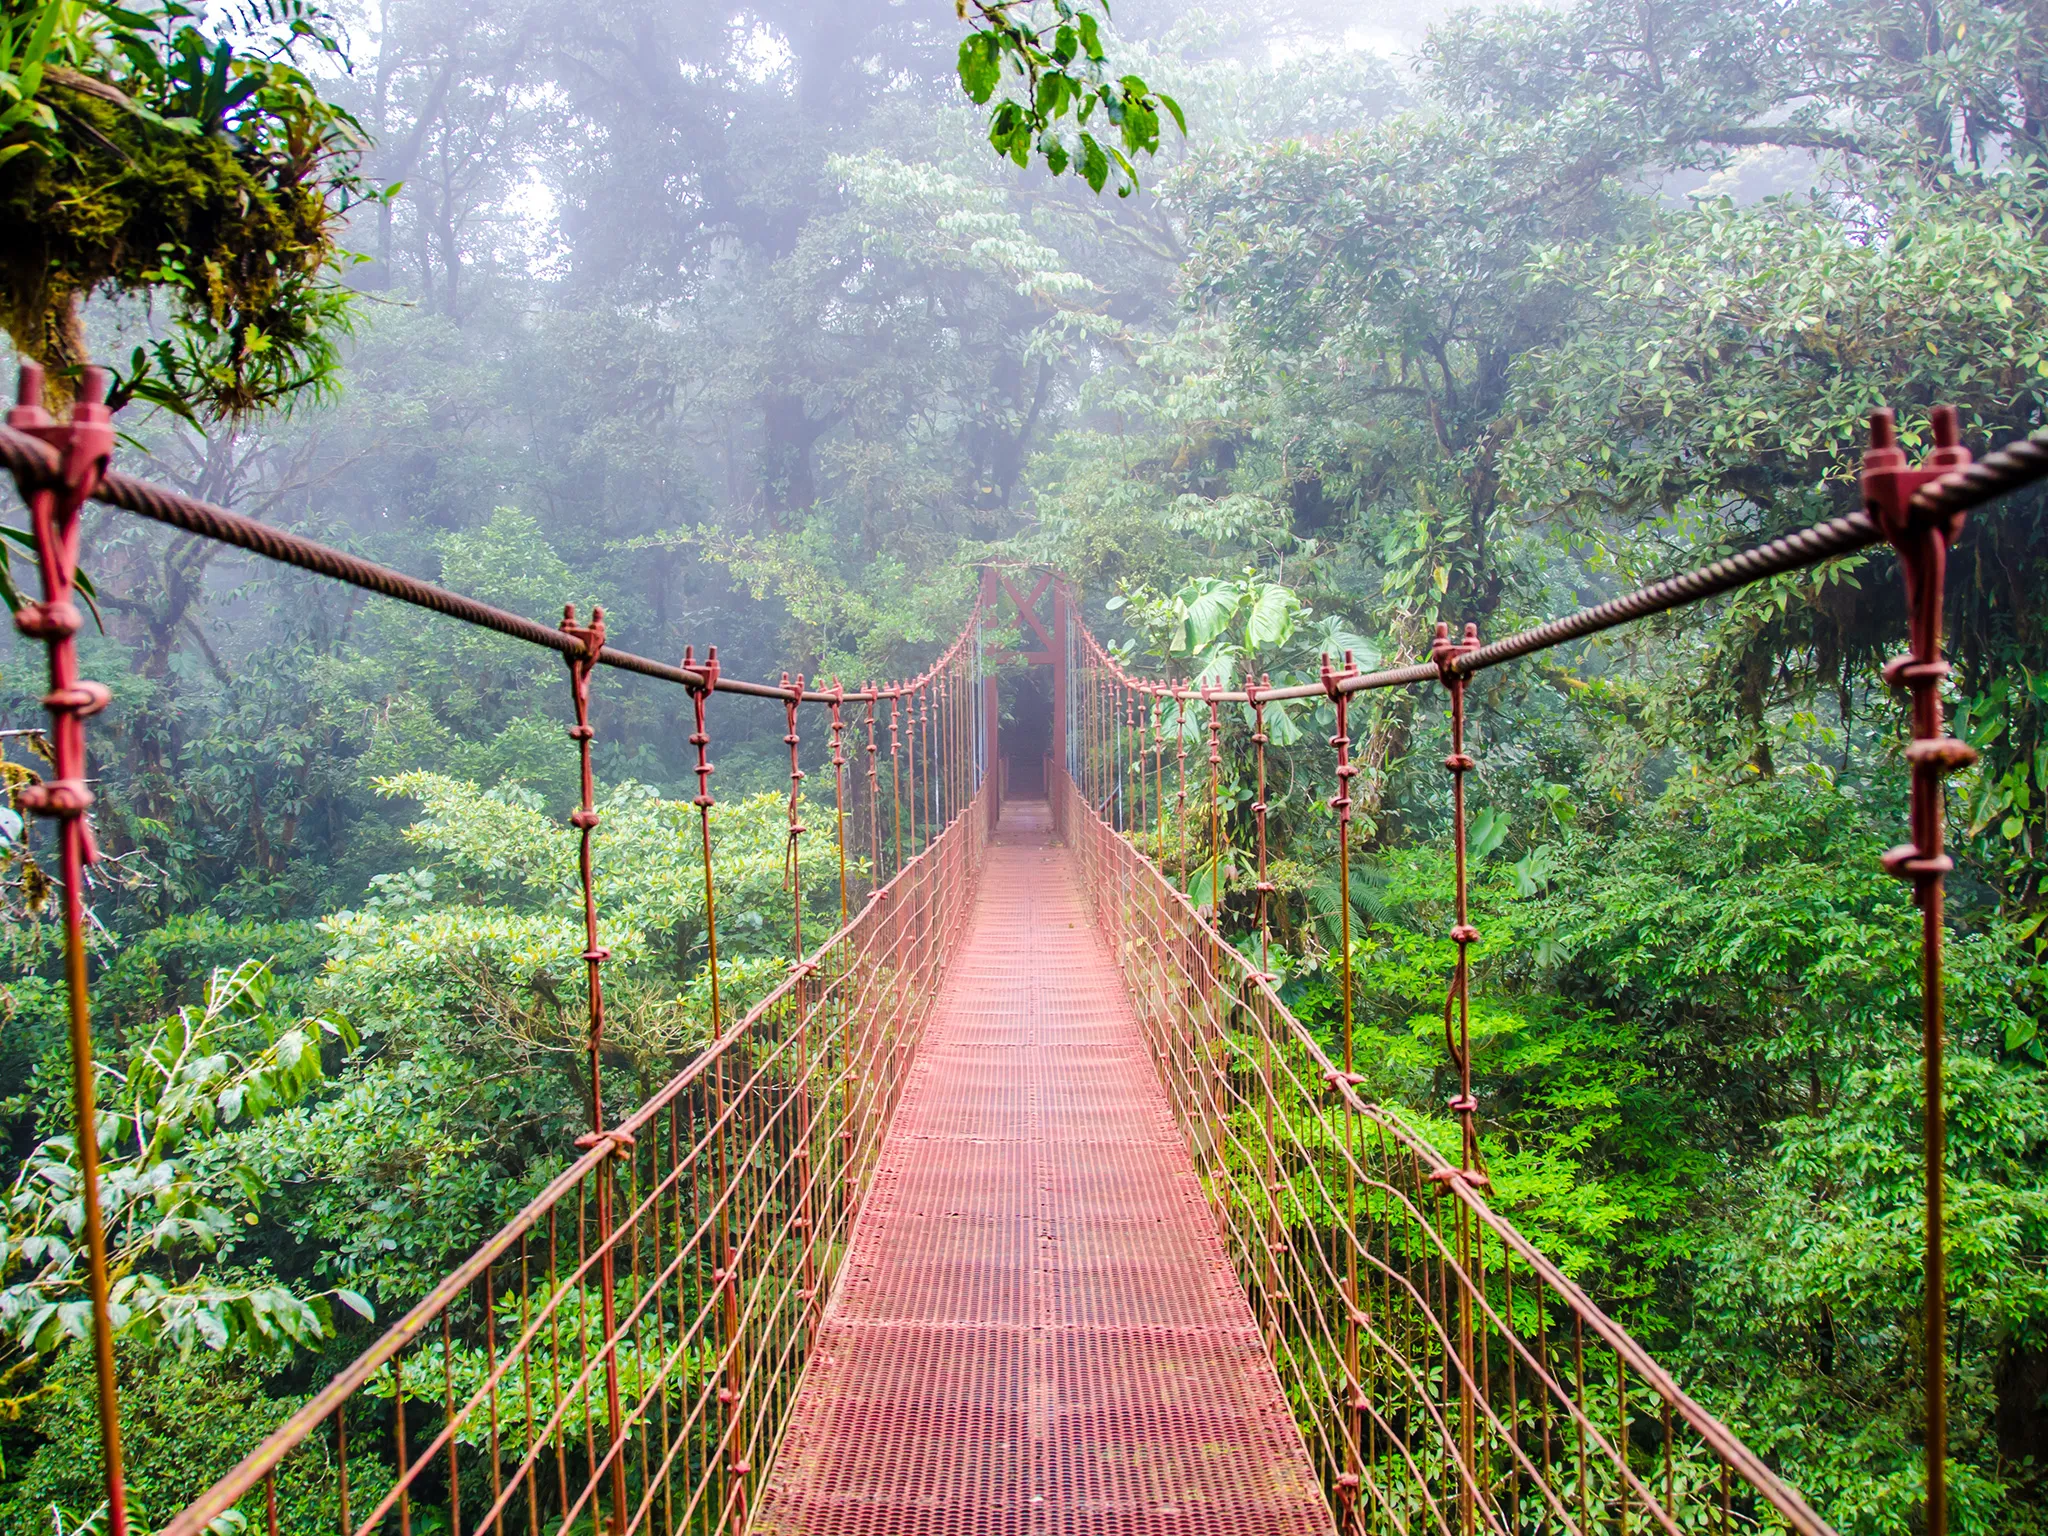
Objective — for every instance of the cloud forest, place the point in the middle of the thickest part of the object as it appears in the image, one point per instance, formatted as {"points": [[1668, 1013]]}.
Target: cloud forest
{"points": [[1062, 422]]}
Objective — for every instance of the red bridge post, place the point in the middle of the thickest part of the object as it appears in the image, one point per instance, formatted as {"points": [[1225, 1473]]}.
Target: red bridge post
{"points": [[1060, 600], [86, 445], [1922, 536]]}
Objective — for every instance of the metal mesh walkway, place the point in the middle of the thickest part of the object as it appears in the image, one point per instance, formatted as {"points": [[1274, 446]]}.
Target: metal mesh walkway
{"points": [[1037, 1329]]}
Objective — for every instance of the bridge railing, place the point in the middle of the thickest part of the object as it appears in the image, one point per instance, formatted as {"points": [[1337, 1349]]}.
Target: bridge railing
{"points": [[622, 1356], [1446, 1376]]}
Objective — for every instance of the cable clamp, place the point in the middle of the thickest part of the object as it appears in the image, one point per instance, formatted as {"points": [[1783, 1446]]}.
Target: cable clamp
{"points": [[83, 699], [1907, 670], [1445, 651], [1471, 1178], [1945, 754], [1908, 863], [59, 799], [49, 621]]}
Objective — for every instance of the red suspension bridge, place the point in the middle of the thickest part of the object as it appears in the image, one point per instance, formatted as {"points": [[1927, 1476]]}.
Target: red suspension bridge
{"points": [[1022, 1203]]}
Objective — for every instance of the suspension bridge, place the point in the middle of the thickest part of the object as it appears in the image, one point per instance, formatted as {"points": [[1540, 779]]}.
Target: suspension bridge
{"points": [[1022, 1203]]}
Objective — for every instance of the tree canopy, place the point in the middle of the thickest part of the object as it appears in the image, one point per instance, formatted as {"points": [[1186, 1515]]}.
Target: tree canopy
{"points": [[766, 326]]}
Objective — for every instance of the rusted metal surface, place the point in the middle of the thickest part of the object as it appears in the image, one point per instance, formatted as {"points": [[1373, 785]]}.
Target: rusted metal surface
{"points": [[732, 1192], [1919, 510], [585, 820], [1446, 652], [1957, 490], [1447, 1376], [623, 1356], [1908, 503], [842, 1027], [80, 448], [1037, 1328], [35, 465]]}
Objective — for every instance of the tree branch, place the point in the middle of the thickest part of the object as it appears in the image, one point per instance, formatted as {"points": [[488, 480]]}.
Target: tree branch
{"points": [[1783, 136]]}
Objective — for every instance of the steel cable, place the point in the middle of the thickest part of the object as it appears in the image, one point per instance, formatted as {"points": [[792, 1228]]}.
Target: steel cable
{"points": [[1809, 546], [2011, 468], [32, 463], [2008, 469]]}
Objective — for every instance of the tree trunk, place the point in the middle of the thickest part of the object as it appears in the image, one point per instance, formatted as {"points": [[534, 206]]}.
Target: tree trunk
{"points": [[53, 335]]}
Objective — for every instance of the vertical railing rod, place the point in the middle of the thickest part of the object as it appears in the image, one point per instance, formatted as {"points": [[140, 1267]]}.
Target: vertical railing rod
{"points": [[1922, 536], [85, 445]]}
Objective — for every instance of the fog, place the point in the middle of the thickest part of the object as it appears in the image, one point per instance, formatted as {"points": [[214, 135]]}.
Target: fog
{"points": [[736, 321]]}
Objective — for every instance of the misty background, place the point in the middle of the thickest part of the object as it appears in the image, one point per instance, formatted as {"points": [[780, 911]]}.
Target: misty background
{"points": [[729, 319]]}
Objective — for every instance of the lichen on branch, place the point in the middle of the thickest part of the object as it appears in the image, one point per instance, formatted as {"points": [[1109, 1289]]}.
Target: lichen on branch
{"points": [[147, 151]]}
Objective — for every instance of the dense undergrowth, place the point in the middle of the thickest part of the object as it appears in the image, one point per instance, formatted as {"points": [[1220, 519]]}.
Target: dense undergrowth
{"points": [[747, 339]]}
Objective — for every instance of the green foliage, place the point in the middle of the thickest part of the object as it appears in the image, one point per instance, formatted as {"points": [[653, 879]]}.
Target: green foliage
{"points": [[647, 869], [466, 978], [1771, 970], [184, 1423], [407, 1165], [1593, 293], [1061, 67], [1806, 1304], [1696, 1045], [143, 152], [170, 1201], [1762, 339]]}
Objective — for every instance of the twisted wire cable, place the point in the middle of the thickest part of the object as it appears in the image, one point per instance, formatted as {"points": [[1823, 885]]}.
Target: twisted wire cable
{"points": [[32, 463], [2011, 468], [1794, 551]]}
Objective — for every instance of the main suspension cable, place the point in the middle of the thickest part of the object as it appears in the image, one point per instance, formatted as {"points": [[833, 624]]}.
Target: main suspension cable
{"points": [[33, 463], [2011, 468]]}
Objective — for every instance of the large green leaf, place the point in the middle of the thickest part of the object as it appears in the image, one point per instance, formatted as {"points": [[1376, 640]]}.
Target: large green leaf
{"points": [[1208, 615], [1272, 617], [980, 66]]}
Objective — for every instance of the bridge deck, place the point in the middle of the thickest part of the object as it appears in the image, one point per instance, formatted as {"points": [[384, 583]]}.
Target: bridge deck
{"points": [[1036, 1329]]}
